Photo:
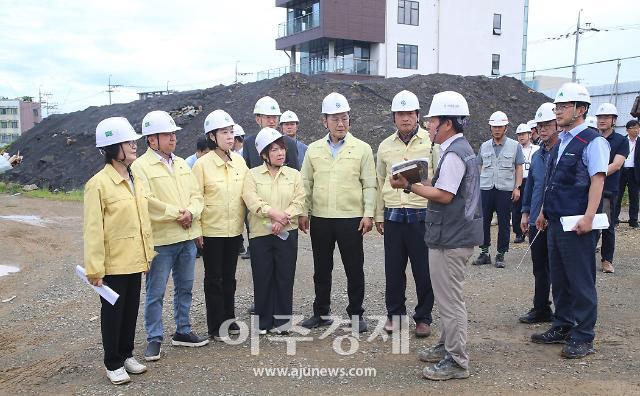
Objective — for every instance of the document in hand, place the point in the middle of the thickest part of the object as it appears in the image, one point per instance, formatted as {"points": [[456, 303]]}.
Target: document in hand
{"points": [[104, 291], [415, 171], [600, 222]]}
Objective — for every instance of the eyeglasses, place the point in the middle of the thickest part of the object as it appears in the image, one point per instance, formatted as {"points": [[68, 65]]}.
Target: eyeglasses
{"points": [[546, 125], [561, 108], [337, 120]]}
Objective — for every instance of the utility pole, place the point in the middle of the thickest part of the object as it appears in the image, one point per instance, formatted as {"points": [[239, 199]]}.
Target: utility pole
{"points": [[167, 87], [45, 103], [110, 88], [575, 55], [236, 81]]}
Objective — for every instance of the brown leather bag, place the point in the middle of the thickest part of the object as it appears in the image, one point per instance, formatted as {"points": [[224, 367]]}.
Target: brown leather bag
{"points": [[635, 109]]}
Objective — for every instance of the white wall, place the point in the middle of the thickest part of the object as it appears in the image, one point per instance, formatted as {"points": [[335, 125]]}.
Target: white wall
{"points": [[464, 40]]}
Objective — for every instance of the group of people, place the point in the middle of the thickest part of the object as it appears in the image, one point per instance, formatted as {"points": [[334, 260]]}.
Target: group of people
{"points": [[151, 214]]}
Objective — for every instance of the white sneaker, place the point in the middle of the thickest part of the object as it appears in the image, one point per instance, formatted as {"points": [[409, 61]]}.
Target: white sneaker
{"points": [[119, 376], [132, 366]]}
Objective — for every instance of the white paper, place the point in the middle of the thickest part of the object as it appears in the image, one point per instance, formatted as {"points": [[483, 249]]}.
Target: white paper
{"points": [[104, 291], [283, 235], [600, 222]]}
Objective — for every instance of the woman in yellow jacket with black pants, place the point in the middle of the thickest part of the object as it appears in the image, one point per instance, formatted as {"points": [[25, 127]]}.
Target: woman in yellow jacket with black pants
{"points": [[117, 243], [274, 195], [220, 174]]}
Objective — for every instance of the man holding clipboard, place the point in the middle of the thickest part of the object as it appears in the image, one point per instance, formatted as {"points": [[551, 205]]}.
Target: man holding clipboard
{"points": [[574, 185], [402, 215]]}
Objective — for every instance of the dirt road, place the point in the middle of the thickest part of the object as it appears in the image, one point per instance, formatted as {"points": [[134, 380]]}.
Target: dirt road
{"points": [[50, 338]]}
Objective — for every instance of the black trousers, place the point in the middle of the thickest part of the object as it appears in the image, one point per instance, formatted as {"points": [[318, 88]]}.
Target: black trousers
{"points": [[498, 201], [220, 257], [273, 267], [325, 232], [404, 241], [628, 180], [572, 264], [118, 322], [608, 248], [516, 212], [542, 279]]}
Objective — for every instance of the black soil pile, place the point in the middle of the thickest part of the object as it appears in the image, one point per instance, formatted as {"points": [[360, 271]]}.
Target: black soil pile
{"points": [[60, 152]]}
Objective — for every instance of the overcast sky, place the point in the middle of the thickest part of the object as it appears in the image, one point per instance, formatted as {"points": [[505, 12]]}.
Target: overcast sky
{"points": [[70, 47]]}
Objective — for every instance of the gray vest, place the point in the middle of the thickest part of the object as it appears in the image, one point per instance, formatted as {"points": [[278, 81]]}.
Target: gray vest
{"points": [[500, 171], [457, 224]]}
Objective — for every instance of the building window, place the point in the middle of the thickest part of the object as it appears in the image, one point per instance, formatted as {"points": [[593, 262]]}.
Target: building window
{"points": [[408, 12], [35, 113], [495, 65], [14, 124], [3, 110], [497, 24], [407, 56], [3, 124]]}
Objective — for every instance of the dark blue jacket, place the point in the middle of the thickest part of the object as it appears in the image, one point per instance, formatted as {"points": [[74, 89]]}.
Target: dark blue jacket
{"points": [[534, 187]]}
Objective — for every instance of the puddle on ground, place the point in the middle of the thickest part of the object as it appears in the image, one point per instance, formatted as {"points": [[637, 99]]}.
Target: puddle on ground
{"points": [[27, 219], [8, 269]]}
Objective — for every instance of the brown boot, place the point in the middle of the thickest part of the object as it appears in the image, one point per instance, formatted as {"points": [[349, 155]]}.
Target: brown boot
{"points": [[607, 267], [423, 330]]}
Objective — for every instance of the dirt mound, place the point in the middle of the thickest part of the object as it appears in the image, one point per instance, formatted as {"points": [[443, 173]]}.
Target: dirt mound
{"points": [[60, 152]]}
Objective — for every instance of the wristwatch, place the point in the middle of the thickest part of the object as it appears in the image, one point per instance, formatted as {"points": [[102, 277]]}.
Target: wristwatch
{"points": [[407, 189]]}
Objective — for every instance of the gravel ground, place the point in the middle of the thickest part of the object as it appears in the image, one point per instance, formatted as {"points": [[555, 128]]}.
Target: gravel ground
{"points": [[50, 338]]}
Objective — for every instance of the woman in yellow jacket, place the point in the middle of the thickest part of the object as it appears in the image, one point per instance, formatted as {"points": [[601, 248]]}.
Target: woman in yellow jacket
{"points": [[117, 243], [220, 174], [274, 195]]}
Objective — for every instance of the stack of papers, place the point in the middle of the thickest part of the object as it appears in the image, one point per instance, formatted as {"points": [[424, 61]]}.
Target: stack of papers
{"points": [[600, 222]]}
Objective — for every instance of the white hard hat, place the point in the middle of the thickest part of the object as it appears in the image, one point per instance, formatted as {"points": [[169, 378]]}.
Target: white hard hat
{"points": [[114, 130], [572, 92], [335, 103], [405, 101], [267, 106], [158, 122], [498, 119], [238, 130], [592, 122], [217, 119], [546, 112], [532, 124], [265, 137], [448, 103], [289, 116], [523, 128], [607, 109]]}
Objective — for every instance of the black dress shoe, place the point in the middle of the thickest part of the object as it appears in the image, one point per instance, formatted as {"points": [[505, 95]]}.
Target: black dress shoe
{"points": [[576, 350], [534, 316], [519, 239], [633, 225], [555, 335], [316, 321]]}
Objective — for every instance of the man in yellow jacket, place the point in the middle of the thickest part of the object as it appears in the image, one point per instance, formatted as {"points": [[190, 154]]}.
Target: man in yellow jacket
{"points": [[400, 217], [339, 177], [175, 204]]}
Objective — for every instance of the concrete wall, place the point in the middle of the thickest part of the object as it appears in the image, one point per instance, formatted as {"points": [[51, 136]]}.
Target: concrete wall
{"points": [[455, 37], [30, 115]]}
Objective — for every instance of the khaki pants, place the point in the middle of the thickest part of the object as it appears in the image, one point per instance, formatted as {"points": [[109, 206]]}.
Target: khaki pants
{"points": [[447, 268]]}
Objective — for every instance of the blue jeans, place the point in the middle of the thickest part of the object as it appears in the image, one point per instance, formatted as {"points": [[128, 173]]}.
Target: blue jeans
{"points": [[179, 259]]}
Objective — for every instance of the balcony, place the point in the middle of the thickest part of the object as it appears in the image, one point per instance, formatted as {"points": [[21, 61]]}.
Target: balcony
{"points": [[340, 65], [299, 25]]}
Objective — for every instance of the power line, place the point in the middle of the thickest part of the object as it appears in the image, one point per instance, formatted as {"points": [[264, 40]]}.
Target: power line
{"points": [[568, 66]]}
